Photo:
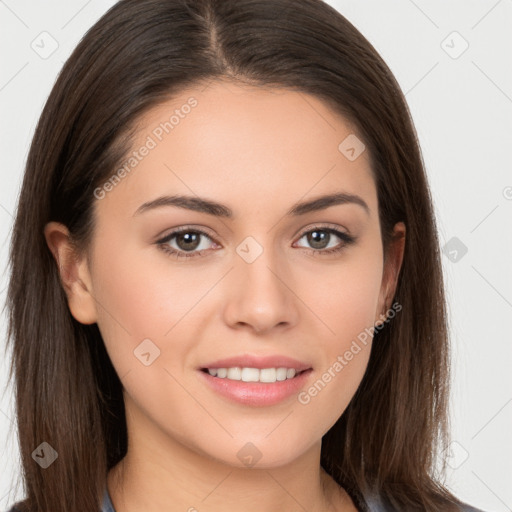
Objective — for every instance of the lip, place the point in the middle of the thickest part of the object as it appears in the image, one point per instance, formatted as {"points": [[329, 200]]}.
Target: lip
{"points": [[260, 362], [256, 394]]}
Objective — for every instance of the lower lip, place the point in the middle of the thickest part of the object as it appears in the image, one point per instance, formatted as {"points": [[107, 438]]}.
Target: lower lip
{"points": [[257, 394]]}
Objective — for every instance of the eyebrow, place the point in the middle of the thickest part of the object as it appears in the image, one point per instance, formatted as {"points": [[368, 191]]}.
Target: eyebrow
{"points": [[210, 207]]}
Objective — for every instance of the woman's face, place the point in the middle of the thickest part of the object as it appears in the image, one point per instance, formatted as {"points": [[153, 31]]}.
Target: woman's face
{"points": [[260, 282]]}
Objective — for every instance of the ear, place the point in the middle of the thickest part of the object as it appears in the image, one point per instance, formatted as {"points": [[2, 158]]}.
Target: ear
{"points": [[392, 264], [74, 273]]}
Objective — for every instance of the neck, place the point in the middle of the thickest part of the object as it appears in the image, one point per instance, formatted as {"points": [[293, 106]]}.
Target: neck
{"points": [[185, 480], [163, 473]]}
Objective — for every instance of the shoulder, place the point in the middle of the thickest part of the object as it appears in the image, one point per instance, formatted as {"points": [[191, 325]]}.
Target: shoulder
{"points": [[374, 504], [14, 508], [106, 505], [468, 508], [19, 506]]}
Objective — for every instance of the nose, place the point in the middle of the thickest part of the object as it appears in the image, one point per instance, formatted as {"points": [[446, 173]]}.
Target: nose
{"points": [[260, 294]]}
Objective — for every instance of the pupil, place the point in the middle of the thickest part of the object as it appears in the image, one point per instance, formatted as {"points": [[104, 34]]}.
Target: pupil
{"points": [[191, 240], [323, 237]]}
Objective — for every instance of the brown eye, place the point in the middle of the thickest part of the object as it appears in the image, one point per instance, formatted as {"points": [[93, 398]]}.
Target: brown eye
{"points": [[319, 238], [186, 242]]}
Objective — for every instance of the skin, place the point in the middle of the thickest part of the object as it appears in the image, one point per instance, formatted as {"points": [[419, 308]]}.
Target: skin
{"points": [[183, 436]]}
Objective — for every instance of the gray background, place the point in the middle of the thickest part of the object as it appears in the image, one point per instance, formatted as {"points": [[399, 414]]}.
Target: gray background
{"points": [[461, 102]]}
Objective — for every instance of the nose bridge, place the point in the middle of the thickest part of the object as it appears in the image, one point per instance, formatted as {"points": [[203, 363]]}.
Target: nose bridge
{"points": [[258, 294], [257, 265]]}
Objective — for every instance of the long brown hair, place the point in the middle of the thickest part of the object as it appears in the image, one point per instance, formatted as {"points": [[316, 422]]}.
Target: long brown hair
{"points": [[384, 447]]}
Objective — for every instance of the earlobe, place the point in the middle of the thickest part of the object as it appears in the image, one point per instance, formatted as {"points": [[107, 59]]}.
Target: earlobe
{"points": [[392, 266], [73, 271]]}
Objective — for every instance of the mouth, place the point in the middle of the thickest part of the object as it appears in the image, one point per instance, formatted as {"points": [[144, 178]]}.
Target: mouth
{"points": [[255, 387], [261, 375]]}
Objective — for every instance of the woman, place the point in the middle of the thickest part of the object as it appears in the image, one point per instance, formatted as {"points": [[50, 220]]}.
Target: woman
{"points": [[226, 287]]}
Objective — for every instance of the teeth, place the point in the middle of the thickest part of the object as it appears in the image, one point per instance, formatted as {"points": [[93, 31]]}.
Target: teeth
{"points": [[281, 374], [233, 373], [249, 374], [253, 374], [268, 375]]}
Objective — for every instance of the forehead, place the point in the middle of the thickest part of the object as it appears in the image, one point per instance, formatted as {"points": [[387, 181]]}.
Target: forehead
{"points": [[246, 146]]}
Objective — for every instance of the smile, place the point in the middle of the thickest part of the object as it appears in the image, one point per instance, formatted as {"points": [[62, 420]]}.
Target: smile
{"points": [[253, 374], [256, 391]]}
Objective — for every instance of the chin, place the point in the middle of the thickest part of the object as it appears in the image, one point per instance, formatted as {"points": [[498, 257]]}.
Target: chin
{"points": [[259, 453]]}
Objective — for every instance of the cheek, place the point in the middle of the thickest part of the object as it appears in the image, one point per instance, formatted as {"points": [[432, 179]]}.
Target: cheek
{"points": [[344, 295], [334, 386], [137, 302], [348, 314], [345, 300], [144, 291]]}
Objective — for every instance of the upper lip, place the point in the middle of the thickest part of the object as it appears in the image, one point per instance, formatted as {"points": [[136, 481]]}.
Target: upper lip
{"points": [[253, 361]]}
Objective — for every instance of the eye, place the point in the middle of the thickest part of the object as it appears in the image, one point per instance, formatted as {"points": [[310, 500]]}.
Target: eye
{"points": [[320, 236], [187, 241]]}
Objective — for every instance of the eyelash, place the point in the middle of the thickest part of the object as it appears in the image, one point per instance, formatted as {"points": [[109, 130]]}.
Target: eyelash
{"points": [[163, 242]]}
